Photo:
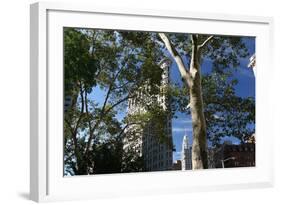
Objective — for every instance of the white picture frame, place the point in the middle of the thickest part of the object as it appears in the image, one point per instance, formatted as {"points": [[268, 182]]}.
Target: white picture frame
{"points": [[46, 171]]}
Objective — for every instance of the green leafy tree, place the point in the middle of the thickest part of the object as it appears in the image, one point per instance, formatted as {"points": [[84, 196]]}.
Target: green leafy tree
{"points": [[226, 113], [122, 63], [224, 52], [116, 63]]}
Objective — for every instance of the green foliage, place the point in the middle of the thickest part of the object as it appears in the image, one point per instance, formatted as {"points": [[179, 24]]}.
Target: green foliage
{"points": [[107, 156], [132, 161], [178, 96], [155, 117], [225, 52], [122, 64], [182, 42], [118, 63], [151, 74], [226, 113], [79, 65]]}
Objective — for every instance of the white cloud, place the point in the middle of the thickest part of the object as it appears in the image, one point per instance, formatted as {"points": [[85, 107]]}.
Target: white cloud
{"points": [[182, 129], [182, 121]]}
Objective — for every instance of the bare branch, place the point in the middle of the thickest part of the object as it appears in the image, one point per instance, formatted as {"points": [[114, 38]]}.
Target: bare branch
{"points": [[105, 111], [171, 48], [194, 38], [122, 86], [205, 42], [74, 132], [80, 116], [88, 115], [188, 106], [91, 136]]}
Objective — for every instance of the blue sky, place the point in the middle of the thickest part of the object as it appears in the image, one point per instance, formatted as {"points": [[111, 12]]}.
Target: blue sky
{"points": [[182, 124], [245, 88]]}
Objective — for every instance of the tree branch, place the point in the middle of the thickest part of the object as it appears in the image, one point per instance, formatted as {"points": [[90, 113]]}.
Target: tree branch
{"points": [[125, 127], [103, 111], [171, 48], [74, 133], [80, 117], [205, 42], [188, 106], [91, 134], [122, 86], [88, 116], [69, 125]]}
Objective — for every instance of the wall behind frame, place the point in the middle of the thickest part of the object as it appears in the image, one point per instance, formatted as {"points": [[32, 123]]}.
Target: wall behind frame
{"points": [[14, 103]]}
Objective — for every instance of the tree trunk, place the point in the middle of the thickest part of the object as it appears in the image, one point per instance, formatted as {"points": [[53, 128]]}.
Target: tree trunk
{"points": [[192, 78], [199, 153]]}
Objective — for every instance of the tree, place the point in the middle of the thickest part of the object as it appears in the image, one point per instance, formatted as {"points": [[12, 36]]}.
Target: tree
{"points": [[226, 113], [118, 64], [223, 51]]}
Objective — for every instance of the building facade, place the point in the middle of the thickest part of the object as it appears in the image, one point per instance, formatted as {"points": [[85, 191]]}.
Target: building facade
{"points": [[233, 155], [156, 155]]}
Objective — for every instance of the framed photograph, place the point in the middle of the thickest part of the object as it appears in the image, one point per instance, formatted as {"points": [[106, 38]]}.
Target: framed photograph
{"points": [[133, 102]]}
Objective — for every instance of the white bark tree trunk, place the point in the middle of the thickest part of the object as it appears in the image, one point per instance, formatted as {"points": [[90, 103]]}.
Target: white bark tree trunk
{"points": [[199, 153], [192, 78]]}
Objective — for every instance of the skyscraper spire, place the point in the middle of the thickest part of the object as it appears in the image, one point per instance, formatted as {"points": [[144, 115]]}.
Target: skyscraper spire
{"points": [[186, 154], [185, 142]]}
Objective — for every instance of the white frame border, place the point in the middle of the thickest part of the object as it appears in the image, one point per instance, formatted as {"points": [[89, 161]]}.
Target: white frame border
{"points": [[39, 175]]}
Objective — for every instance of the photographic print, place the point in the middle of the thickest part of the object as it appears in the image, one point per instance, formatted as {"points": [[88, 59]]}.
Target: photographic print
{"points": [[143, 101]]}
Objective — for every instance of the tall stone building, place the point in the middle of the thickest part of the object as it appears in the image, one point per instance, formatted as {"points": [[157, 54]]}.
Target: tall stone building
{"points": [[144, 141], [186, 154]]}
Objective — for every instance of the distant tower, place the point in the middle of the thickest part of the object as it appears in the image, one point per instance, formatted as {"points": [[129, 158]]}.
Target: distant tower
{"points": [[186, 154]]}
